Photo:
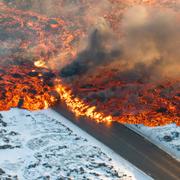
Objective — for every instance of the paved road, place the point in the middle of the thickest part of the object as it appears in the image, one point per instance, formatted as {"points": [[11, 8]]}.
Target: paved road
{"points": [[130, 146]]}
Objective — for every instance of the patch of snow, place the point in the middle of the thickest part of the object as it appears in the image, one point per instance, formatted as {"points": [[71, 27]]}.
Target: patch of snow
{"points": [[44, 145], [166, 137]]}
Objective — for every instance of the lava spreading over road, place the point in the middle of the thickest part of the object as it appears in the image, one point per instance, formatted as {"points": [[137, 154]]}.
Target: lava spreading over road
{"points": [[42, 62]]}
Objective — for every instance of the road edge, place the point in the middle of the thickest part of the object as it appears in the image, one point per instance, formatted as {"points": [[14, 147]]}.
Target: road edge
{"points": [[160, 146]]}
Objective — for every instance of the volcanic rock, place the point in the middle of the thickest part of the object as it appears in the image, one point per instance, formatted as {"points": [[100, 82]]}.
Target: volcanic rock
{"points": [[15, 75]]}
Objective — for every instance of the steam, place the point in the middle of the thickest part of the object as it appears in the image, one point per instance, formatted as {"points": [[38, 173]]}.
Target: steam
{"points": [[149, 47], [152, 41]]}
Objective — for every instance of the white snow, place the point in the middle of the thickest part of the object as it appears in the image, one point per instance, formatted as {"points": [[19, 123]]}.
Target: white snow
{"points": [[44, 145], [166, 137]]}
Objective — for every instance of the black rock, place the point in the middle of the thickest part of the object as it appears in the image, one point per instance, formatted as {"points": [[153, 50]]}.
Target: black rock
{"points": [[48, 75], [175, 134], [102, 97], [32, 165], [6, 140], [7, 146], [12, 133], [32, 91], [73, 69], [4, 124], [1, 116], [33, 74], [16, 75], [162, 110], [49, 83], [117, 113], [168, 138], [2, 171], [87, 86], [20, 103], [55, 94], [52, 21]]}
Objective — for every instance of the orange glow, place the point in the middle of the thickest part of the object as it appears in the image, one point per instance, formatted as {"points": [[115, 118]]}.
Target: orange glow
{"points": [[40, 63], [30, 79], [78, 107]]}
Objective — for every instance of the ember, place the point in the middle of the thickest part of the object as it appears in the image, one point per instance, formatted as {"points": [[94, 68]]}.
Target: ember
{"points": [[42, 65]]}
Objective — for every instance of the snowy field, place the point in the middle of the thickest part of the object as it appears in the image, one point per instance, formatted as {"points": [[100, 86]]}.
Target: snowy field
{"points": [[45, 146], [165, 137]]}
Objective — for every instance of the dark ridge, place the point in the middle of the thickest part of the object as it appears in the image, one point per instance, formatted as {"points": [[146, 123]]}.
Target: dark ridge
{"points": [[48, 75], [33, 74], [32, 91], [16, 75], [75, 68], [162, 110], [20, 103]]}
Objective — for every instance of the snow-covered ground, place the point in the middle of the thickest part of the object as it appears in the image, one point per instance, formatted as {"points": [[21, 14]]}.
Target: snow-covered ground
{"points": [[44, 145], [165, 137]]}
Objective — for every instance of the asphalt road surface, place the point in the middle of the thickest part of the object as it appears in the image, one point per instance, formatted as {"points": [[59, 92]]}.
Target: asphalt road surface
{"points": [[131, 146]]}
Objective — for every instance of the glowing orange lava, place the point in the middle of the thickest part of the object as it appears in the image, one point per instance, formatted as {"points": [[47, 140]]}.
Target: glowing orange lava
{"points": [[30, 42]]}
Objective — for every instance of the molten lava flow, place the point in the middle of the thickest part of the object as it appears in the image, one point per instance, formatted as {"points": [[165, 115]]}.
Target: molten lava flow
{"points": [[138, 102], [40, 63], [30, 43], [26, 88], [78, 107]]}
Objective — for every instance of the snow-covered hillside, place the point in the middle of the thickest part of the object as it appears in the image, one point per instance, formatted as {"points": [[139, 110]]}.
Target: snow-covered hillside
{"points": [[43, 145], [165, 137]]}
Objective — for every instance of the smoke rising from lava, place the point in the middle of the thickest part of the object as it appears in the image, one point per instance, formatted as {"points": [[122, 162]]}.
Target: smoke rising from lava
{"points": [[149, 47], [97, 53], [78, 16], [152, 40], [126, 48]]}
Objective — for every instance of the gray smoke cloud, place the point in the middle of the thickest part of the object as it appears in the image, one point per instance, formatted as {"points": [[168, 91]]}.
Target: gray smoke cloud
{"points": [[99, 51], [149, 47], [152, 41]]}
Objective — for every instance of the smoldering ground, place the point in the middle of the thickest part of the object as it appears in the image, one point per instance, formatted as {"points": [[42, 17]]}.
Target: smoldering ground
{"points": [[149, 47], [77, 15]]}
